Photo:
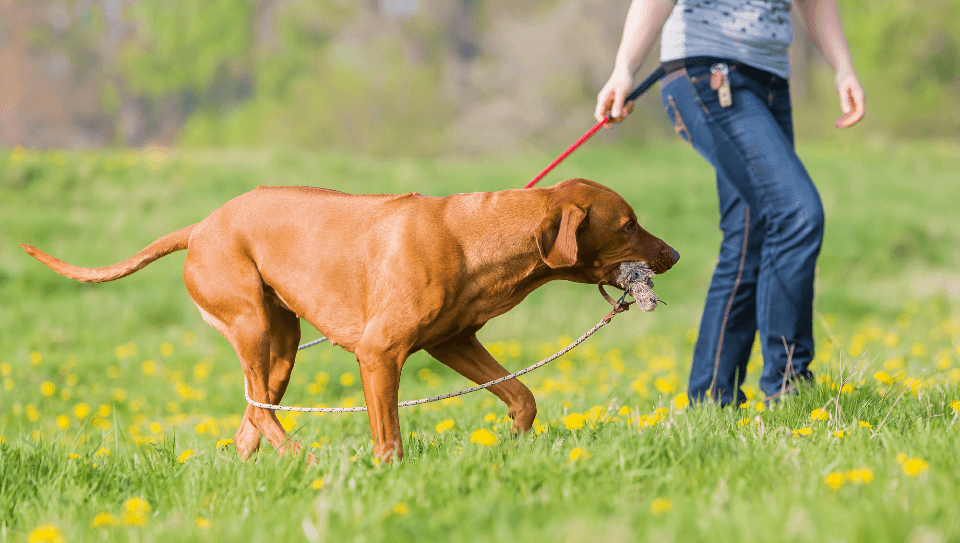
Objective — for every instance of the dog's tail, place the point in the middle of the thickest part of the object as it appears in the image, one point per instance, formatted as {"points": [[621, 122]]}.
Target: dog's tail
{"points": [[172, 242]]}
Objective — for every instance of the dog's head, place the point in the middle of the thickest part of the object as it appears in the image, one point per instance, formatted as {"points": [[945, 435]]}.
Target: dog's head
{"points": [[590, 230]]}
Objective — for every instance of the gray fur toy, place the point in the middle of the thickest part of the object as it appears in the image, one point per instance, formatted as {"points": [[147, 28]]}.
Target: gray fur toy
{"points": [[637, 279]]}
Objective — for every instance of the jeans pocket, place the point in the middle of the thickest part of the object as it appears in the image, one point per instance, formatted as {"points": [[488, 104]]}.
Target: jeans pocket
{"points": [[673, 112]]}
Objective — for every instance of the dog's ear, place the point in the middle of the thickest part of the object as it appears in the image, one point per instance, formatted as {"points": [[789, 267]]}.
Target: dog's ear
{"points": [[557, 235]]}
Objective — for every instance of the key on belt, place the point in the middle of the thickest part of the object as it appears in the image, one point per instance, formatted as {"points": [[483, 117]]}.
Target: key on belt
{"points": [[720, 82]]}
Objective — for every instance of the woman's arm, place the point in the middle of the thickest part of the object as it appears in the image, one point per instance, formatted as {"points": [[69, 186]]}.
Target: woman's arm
{"points": [[645, 18], [822, 18]]}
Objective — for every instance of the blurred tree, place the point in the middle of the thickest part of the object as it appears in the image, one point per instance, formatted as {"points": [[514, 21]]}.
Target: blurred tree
{"points": [[403, 76]]}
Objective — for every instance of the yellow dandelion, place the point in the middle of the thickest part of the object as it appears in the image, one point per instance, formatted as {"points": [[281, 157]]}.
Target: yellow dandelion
{"points": [[102, 452], [47, 388], [63, 422], [915, 466], [104, 410], [883, 377], [32, 414], [36, 358], [839, 434], [317, 483], [484, 437], [204, 523], [623, 411], [401, 508], [860, 476], [135, 511], [901, 458], [444, 425], [347, 379], [48, 533], [81, 410], [681, 401], [661, 505], [955, 405], [665, 386], [5, 369], [490, 417], [802, 432], [579, 454], [166, 349], [539, 428], [148, 367], [73, 456], [743, 422], [184, 456], [574, 421], [865, 424], [835, 480], [221, 443], [105, 520], [918, 349], [819, 414]]}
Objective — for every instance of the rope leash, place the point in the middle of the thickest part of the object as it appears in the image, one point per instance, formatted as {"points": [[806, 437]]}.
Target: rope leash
{"points": [[618, 306]]}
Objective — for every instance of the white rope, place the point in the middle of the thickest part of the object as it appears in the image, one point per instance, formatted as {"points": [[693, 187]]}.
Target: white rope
{"points": [[543, 362]]}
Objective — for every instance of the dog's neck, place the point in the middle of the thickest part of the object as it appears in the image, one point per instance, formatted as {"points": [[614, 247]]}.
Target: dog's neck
{"points": [[506, 269]]}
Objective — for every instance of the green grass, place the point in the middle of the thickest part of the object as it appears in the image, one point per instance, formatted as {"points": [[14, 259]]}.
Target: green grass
{"points": [[167, 383]]}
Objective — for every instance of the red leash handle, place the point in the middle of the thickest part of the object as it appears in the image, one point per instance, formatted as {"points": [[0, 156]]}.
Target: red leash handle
{"points": [[566, 153]]}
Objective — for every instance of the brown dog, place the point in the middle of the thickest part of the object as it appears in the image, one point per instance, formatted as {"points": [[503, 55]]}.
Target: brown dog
{"points": [[384, 276]]}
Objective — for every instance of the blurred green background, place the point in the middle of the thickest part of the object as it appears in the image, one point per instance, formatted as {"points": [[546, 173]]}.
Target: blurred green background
{"points": [[406, 77]]}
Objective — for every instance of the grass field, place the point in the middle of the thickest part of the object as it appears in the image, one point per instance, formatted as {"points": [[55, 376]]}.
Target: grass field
{"points": [[118, 401]]}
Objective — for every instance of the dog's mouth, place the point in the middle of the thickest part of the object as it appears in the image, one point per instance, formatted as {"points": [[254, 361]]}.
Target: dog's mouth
{"points": [[636, 278]]}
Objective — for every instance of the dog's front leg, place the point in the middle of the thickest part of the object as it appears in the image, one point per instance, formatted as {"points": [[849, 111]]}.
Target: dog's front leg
{"points": [[380, 376], [465, 355]]}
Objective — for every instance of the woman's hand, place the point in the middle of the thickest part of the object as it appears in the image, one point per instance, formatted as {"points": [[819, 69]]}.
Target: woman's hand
{"points": [[851, 98], [611, 97]]}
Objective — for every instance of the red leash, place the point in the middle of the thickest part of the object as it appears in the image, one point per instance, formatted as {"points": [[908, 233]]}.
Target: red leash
{"points": [[567, 153], [642, 88]]}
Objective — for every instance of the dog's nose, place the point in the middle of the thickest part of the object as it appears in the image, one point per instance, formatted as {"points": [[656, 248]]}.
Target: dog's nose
{"points": [[675, 255]]}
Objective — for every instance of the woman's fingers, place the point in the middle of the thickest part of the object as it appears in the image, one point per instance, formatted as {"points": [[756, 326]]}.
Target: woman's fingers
{"points": [[852, 101], [610, 99]]}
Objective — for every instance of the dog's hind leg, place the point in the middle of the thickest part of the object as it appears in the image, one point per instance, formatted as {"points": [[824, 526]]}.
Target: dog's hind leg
{"points": [[284, 339], [232, 299], [465, 355]]}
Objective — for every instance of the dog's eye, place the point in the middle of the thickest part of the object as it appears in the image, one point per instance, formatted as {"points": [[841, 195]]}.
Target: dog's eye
{"points": [[628, 228]]}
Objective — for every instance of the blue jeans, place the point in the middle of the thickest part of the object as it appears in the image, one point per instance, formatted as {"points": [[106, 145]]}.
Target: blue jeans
{"points": [[772, 222]]}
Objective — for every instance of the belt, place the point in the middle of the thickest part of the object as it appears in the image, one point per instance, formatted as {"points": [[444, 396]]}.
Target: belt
{"points": [[762, 76]]}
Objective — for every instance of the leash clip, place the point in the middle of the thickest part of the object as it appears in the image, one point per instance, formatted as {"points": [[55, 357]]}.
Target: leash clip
{"points": [[619, 306]]}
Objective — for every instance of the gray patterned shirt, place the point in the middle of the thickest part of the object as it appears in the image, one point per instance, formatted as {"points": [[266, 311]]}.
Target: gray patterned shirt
{"points": [[754, 32]]}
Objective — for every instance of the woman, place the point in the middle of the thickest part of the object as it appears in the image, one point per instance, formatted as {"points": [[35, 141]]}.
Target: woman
{"points": [[726, 92]]}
